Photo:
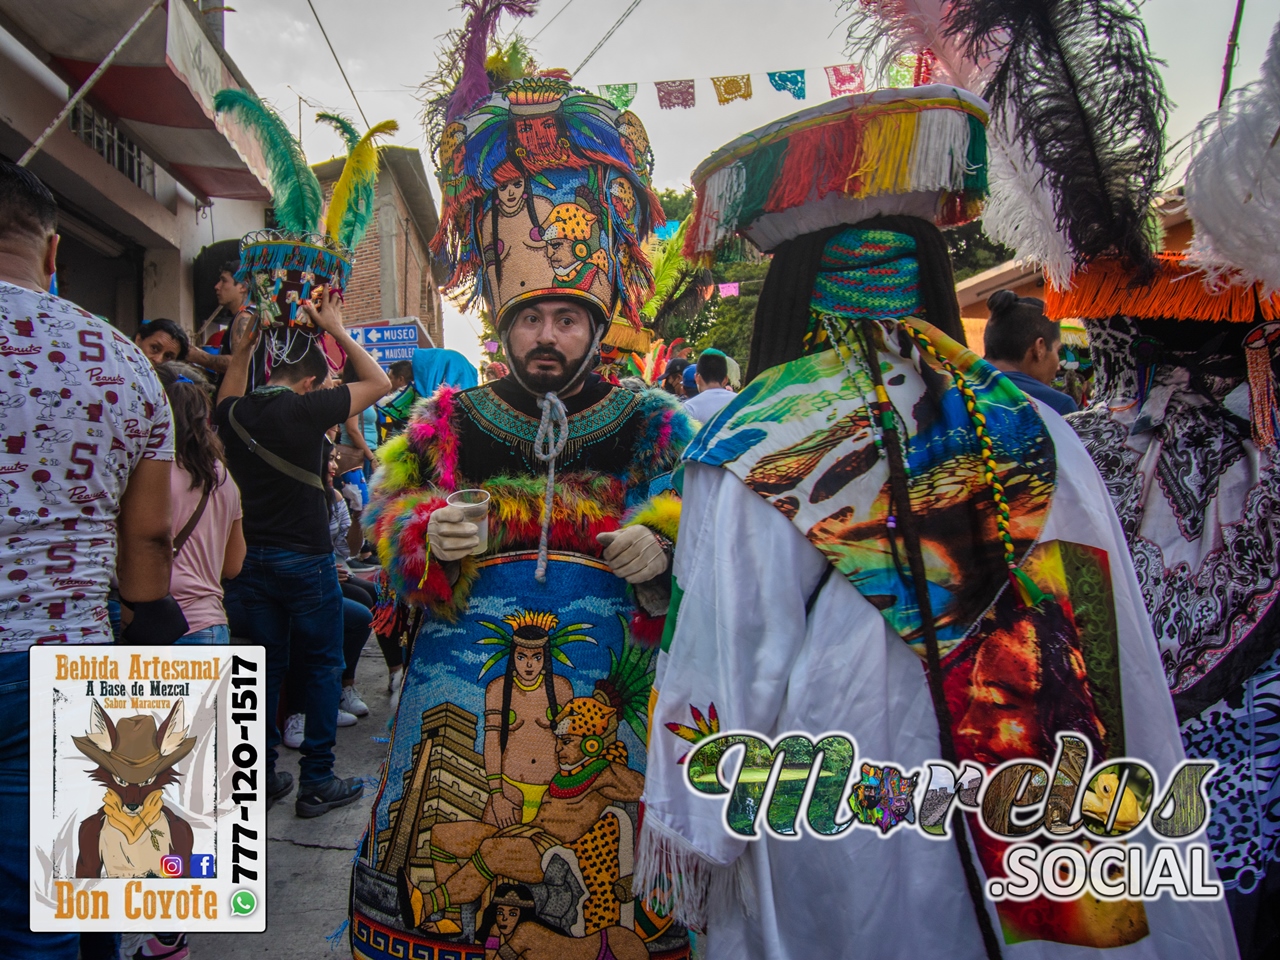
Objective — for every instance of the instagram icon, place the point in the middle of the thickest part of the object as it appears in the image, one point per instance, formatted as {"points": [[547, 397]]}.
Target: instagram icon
{"points": [[171, 866]]}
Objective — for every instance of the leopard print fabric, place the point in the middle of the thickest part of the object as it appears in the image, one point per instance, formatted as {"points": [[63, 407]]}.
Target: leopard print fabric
{"points": [[1244, 794], [597, 852]]}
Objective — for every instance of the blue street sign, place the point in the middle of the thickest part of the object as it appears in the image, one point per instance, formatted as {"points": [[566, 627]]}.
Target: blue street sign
{"points": [[401, 333], [389, 355]]}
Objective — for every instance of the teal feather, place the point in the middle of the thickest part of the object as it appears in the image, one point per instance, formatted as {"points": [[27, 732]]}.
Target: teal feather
{"points": [[343, 126], [295, 191]]}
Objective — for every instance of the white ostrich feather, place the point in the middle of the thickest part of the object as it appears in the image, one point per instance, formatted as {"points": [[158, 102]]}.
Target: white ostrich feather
{"points": [[1019, 211], [1233, 184]]}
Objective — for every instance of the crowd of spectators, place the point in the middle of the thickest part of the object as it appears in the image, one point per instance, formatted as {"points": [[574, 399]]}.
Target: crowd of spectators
{"points": [[224, 485]]}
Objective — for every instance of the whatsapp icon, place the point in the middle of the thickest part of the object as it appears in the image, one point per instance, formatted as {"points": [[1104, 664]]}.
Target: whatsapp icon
{"points": [[243, 903]]}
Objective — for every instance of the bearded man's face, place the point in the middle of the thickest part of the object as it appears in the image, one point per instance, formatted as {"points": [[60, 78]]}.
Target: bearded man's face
{"points": [[548, 341]]}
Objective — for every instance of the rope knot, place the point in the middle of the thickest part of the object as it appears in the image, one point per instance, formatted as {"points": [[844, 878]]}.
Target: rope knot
{"points": [[548, 444]]}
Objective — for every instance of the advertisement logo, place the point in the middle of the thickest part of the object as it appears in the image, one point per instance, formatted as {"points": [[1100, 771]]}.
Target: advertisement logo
{"points": [[170, 866], [202, 866], [243, 903]]}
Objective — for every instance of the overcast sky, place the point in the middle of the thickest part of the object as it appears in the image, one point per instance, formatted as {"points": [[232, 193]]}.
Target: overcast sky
{"points": [[388, 46]]}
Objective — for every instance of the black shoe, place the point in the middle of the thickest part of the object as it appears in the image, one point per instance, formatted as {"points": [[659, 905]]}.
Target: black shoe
{"points": [[279, 786], [362, 564], [314, 801]]}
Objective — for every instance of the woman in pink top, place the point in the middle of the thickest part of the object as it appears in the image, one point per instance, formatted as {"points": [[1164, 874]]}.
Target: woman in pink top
{"points": [[207, 537]]}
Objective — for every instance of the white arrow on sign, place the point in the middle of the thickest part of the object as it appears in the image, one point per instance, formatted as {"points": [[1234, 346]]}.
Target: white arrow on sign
{"points": [[374, 336], [375, 353]]}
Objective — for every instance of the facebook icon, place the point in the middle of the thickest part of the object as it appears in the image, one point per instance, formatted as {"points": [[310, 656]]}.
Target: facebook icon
{"points": [[202, 865]]}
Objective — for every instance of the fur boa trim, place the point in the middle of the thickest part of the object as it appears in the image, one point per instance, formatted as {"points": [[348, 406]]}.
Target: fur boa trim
{"points": [[664, 433], [419, 469]]}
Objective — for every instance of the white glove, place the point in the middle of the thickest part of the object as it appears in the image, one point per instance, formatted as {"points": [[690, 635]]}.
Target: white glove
{"points": [[451, 537], [634, 553]]}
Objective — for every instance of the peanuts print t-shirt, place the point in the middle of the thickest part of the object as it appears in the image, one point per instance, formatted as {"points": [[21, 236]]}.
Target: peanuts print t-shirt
{"points": [[80, 407]]}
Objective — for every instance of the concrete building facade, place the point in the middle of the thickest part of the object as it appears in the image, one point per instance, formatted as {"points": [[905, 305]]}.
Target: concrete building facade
{"points": [[145, 174]]}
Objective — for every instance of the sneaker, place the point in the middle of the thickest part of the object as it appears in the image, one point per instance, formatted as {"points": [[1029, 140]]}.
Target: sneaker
{"points": [[294, 729], [163, 946], [352, 702], [359, 563], [346, 719], [314, 801], [279, 786]]}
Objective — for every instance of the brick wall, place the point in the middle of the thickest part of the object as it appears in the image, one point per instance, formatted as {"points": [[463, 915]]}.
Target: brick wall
{"points": [[364, 293]]}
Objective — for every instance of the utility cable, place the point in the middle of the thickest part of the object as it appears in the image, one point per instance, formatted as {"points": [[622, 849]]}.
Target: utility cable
{"points": [[551, 21], [605, 39], [325, 34]]}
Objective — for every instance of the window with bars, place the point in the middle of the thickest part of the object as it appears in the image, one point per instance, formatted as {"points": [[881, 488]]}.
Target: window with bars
{"points": [[110, 142]]}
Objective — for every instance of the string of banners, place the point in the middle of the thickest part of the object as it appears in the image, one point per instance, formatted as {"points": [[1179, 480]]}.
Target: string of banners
{"points": [[842, 79]]}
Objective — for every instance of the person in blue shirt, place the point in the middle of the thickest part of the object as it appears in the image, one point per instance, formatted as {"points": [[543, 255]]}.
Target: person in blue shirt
{"points": [[1021, 342]]}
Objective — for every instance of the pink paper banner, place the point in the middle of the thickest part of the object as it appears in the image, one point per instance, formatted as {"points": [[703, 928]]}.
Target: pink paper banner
{"points": [[728, 289], [845, 79], [675, 93]]}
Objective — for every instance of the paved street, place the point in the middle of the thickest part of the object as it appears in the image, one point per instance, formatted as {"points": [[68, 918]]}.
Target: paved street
{"points": [[310, 860]]}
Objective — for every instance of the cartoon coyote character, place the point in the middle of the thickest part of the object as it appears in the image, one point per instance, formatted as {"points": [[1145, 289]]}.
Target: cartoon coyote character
{"points": [[134, 829]]}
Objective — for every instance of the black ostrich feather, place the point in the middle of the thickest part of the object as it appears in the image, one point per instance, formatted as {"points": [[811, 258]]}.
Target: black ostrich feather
{"points": [[1078, 85]]}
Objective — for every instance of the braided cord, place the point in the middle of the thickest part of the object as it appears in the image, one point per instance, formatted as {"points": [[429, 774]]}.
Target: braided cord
{"points": [[553, 434]]}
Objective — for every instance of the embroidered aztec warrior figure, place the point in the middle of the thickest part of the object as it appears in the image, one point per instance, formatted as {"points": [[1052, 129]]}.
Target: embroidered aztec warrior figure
{"points": [[572, 584], [134, 829], [592, 775], [902, 510]]}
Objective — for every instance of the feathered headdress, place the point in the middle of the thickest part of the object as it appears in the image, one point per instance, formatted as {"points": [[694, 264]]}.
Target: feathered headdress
{"points": [[295, 191], [1076, 84], [351, 206], [1077, 115], [1233, 184], [285, 264]]}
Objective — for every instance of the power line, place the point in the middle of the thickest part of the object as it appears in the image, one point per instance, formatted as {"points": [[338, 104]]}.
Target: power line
{"points": [[551, 21], [325, 34], [605, 39]]}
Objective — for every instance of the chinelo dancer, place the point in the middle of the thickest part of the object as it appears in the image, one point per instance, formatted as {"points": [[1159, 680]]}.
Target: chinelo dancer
{"points": [[925, 581], [529, 523], [1183, 430]]}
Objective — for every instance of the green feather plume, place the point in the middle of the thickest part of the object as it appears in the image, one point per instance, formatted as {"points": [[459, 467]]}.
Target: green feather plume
{"points": [[351, 206], [295, 191], [344, 126], [678, 284]]}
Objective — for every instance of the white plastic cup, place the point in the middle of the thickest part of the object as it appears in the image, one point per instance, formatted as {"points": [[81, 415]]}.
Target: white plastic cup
{"points": [[475, 508]]}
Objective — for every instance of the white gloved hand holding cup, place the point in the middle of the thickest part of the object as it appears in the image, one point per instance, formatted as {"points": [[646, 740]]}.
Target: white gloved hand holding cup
{"points": [[461, 527], [634, 553]]}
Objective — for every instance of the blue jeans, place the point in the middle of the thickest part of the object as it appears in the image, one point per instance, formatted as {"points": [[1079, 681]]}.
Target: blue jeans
{"points": [[219, 633], [278, 589], [16, 938]]}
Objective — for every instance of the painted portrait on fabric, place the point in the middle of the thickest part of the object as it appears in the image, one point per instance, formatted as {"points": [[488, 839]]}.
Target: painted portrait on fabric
{"points": [[509, 811], [1026, 674]]}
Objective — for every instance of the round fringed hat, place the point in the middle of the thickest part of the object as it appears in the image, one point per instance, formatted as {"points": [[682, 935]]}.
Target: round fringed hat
{"points": [[920, 152], [546, 193]]}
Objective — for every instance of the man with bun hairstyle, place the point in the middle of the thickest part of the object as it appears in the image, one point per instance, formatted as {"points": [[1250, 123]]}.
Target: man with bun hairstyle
{"points": [[1023, 344]]}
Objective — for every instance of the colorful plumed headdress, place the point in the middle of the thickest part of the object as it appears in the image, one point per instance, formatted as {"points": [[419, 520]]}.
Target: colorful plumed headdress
{"points": [[921, 152], [545, 194], [284, 265]]}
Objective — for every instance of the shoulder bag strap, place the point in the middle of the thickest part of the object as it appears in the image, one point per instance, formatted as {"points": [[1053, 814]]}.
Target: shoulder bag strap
{"points": [[276, 463], [185, 533]]}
